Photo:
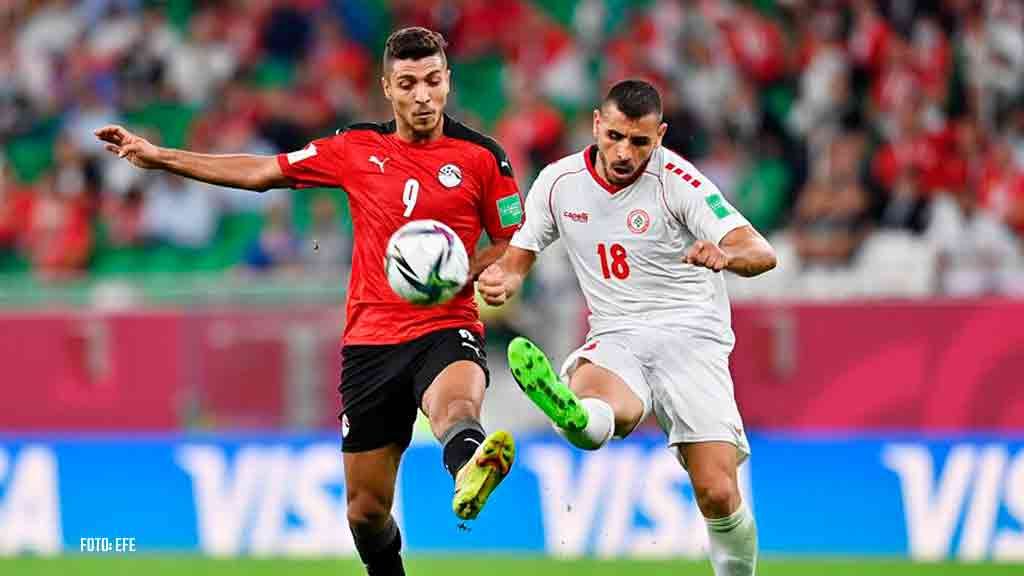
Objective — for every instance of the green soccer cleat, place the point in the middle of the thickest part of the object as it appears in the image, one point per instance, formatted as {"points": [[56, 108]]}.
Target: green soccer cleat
{"points": [[477, 478], [538, 380]]}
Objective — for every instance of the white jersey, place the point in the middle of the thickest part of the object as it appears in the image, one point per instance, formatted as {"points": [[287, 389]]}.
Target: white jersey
{"points": [[626, 245]]}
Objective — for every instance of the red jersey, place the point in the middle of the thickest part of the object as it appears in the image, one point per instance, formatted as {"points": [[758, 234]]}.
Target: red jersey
{"points": [[463, 179]]}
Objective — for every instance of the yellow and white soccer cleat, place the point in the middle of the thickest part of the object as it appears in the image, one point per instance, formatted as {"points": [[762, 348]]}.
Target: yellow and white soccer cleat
{"points": [[481, 475]]}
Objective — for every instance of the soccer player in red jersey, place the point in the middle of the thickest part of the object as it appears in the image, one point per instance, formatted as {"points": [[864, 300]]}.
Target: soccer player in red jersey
{"points": [[396, 357]]}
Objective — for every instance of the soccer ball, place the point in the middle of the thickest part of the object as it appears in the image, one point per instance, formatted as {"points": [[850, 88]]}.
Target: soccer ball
{"points": [[426, 262]]}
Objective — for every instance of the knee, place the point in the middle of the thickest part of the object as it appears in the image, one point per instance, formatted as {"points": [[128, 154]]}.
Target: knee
{"points": [[627, 415], [626, 412], [717, 495], [367, 511]]}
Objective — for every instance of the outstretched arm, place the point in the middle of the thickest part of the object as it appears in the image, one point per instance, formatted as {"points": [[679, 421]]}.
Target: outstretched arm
{"points": [[501, 280], [742, 251], [233, 170]]}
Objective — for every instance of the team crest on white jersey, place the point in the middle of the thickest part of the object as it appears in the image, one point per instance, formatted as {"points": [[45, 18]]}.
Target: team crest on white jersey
{"points": [[638, 221], [449, 176]]}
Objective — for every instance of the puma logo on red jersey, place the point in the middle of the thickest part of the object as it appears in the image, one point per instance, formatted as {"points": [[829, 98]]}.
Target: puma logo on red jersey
{"points": [[379, 162]]}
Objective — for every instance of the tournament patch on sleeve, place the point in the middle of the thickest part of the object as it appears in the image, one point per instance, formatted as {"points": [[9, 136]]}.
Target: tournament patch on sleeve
{"points": [[510, 210], [718, 205]]}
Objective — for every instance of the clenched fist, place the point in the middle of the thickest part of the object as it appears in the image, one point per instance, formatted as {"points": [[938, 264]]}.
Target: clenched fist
{"points": [[135, 149], [705, 254], [491, 285]]}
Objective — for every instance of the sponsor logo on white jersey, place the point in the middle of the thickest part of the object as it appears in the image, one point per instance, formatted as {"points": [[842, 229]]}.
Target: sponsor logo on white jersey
{"points": [[581, 217]]}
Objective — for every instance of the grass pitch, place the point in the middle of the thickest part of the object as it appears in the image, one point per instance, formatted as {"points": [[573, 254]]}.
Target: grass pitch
{"points": [[477, 565]]}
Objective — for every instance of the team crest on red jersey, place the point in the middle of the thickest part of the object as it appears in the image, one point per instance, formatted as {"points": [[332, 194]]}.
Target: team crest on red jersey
{"points": [[449, 176], [638, 221]]}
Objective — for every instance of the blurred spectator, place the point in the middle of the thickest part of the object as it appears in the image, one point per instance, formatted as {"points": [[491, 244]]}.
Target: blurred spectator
{"points": [[869, 39], [287, 32], [474, 30], [198, 66], [706, 80], [114, 27], [179, 212], [43, 39], [757, 44], [911, 167], [122, 217], [12, 101], [830, 221], [1015, 137], [531, 129], [993, 41], [761, 193], [343, 67], [276, 249], [974, 246], [824, 77], [687, 135], [59, 237], [1002, 186], [722, 165], [931, 58], [327, 250], [90, 111], [896, 82], [142, 72], [231, 126], [632, 52], [15, 211], [283, 122]]}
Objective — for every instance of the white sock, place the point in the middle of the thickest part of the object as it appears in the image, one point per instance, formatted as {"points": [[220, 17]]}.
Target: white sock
{"points": [[733, 543], [599, 429]]}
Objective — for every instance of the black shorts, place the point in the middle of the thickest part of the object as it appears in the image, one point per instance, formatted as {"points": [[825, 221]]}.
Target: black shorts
{"points": [[382, 386]]}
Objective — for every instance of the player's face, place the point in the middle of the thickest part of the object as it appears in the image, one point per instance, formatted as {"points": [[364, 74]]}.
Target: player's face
{"points": [[418, 91], [624, 143]]}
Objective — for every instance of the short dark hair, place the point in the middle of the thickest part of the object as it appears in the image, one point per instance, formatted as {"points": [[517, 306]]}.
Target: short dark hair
{"points": [[414, 43], [634, 98]]}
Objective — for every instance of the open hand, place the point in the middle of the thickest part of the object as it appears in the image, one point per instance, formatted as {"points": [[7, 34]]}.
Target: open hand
{"points": [[131, 147]]}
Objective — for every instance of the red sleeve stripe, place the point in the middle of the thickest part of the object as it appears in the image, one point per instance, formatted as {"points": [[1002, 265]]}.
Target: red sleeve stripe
{"points": [[683, 174]]}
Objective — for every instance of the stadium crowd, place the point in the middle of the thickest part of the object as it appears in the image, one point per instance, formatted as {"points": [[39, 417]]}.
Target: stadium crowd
{"points": [[880, 144]]}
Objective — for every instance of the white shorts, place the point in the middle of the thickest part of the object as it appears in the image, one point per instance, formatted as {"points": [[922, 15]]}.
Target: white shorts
{"points": [[684, 380]]}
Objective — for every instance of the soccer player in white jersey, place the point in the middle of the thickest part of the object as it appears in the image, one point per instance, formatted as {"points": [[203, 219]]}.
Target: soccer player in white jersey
{"points": [[648, 236]]}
